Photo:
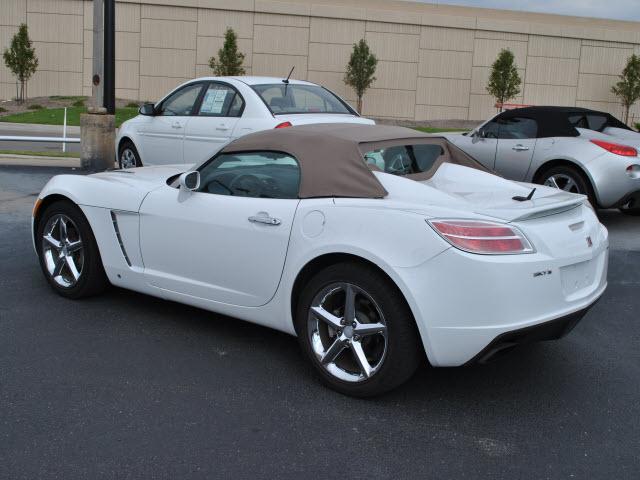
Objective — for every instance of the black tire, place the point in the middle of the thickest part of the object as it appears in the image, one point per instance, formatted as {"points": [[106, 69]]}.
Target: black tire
{"points": [[128, 148], [579, 179], [403, 350], [92, 278]]}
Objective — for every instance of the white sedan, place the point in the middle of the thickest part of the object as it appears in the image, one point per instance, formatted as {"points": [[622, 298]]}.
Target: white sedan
{"points": [[193, 121], [373, 244]]}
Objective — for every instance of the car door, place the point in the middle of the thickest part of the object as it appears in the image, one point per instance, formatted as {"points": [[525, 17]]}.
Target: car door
{"points": [[516, 144], [161, 136], [480, 144], [214, 122], [227, 241]]}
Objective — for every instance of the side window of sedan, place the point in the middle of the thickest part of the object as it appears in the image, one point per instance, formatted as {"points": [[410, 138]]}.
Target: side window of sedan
{"points": [[252, 174], [221, 101], [182, 102]]}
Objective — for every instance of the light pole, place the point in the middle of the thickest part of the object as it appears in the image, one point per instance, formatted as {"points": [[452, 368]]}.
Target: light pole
{"points": [[110, 56], [97, 128]]}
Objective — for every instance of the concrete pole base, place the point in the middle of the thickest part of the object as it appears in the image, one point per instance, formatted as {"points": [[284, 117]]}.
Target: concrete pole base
{"points": [[97, 141]]}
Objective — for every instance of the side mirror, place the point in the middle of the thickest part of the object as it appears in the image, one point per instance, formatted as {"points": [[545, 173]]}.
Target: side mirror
{"points": [[147, 109], [190, 180], [477, 135]]}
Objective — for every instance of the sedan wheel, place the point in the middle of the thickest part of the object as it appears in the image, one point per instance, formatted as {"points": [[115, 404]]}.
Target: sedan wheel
{"points": [[129, 157], [357, 330], [347, 332]]}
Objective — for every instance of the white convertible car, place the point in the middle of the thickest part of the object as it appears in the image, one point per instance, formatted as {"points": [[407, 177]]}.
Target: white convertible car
{"points": [[194, 120], [374, 245]]}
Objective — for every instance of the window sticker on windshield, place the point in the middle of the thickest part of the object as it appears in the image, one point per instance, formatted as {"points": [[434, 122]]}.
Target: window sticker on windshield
{"points": [[214, 101]]}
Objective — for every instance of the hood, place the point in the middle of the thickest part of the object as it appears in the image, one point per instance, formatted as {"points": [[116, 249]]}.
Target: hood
{"points": [[461, 190], [144, 178], [312, 118]]}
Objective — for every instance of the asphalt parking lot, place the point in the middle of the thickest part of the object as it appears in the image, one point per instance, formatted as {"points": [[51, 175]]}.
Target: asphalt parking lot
{"points": [[129, 386]]}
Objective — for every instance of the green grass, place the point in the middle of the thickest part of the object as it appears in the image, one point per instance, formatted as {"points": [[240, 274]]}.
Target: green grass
{"points": [[40, 154], [2, 110], [35, 106], [637, 126], [438, 130], [55, 116], [67, 97]]}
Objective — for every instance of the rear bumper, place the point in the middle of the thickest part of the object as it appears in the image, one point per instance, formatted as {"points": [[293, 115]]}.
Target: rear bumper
{"points": [[633, 199], [552, 330], [610, 181], [463, 303]]}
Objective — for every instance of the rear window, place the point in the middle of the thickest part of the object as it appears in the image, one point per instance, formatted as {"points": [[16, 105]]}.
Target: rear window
{"points": [[591, 121], [419, 161], [293, 98]]}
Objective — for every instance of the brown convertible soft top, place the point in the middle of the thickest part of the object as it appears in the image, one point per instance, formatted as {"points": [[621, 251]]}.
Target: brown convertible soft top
{"points": [[331, 155]]}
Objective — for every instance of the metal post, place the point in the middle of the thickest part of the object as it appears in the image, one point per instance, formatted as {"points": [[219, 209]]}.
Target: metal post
{"points": [[110, 56], [98, 54], [64, 131]]}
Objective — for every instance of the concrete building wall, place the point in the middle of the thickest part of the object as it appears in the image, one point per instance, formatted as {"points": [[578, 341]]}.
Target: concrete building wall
{"points": [[434, 60]]}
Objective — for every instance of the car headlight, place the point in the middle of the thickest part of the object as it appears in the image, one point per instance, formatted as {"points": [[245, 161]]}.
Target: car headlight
{"points": [[482, 237]]}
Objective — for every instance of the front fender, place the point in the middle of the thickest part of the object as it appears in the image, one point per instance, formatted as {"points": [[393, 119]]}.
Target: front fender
{"points": [[95, 191]]}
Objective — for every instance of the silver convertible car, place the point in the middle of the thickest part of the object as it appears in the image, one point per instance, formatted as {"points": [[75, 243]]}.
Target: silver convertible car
{"points": [[574, 149]]}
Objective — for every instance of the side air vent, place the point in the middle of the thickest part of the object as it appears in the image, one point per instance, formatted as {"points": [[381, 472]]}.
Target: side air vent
{"points": [[114, 219]]}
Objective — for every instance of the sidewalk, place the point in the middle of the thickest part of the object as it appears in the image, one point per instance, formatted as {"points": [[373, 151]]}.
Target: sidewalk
{"points": [[37, 161]]}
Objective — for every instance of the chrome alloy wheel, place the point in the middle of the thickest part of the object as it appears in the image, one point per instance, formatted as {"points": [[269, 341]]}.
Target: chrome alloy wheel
{"points": [[128, 158], [562, 182], [347, 332], [62, 250]]}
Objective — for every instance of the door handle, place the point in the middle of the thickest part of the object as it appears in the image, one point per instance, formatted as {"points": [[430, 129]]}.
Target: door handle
{"points": [[265, 219], [176, 125], [222, 127], [520, 148]]}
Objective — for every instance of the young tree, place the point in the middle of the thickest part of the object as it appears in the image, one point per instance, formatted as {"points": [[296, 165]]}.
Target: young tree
{"points": [[360, 70], [229, 62], [628, 88], [504, 82], [21, 59]]}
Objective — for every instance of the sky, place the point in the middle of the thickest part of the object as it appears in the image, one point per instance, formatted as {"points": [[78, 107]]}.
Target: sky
{"points": [[616, 9]]}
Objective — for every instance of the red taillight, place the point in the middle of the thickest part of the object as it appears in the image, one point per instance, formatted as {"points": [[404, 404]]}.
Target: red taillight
{"points": [[482, 237], [624, 150], [284, 125]]}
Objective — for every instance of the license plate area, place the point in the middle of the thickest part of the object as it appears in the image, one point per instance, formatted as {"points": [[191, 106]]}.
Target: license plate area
{"points": [[578, 276]]}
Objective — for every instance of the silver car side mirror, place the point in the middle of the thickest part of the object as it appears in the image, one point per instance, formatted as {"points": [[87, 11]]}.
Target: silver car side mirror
{"points": [[190, 180], [476, 136]]}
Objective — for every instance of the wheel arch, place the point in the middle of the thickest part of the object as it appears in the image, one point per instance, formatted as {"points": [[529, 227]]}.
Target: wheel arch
{"points": [[50, 199], [122, 140], [42, 206], [558, 162], [315, 265]]}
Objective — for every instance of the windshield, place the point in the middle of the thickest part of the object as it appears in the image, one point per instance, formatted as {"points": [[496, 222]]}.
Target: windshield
{"points": [[418, 161], [294, 98]]}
